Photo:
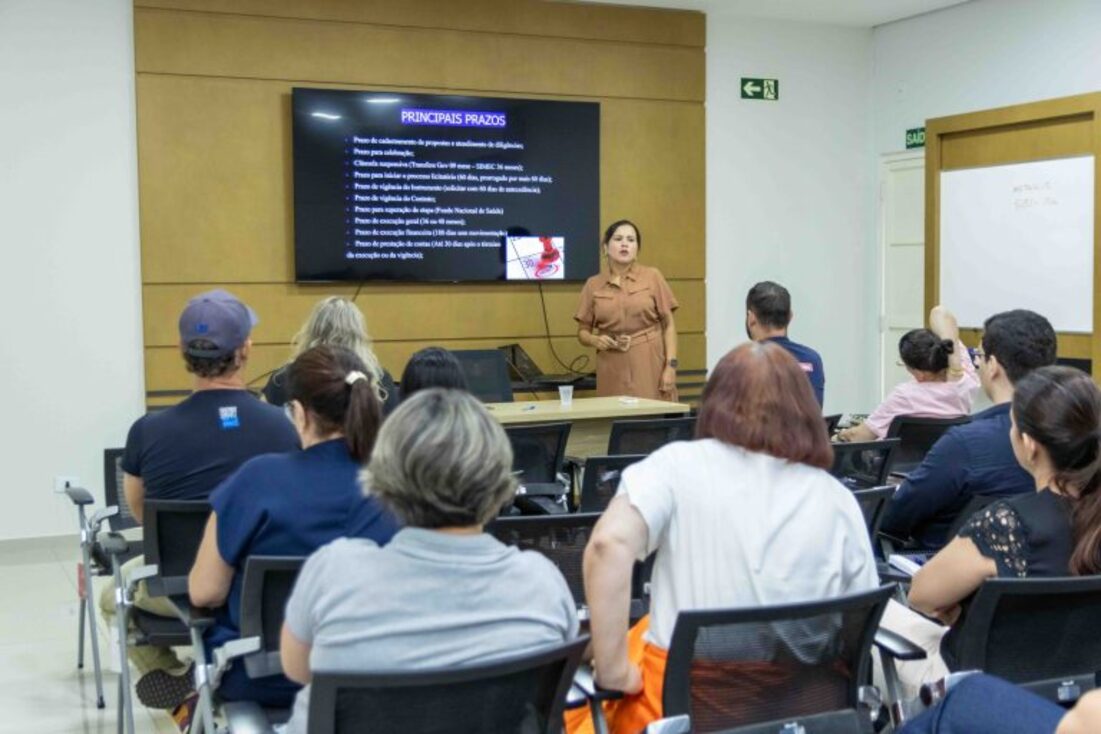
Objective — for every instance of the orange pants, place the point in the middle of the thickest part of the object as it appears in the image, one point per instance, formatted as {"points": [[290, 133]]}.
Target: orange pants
{"points": [[630, 714]]}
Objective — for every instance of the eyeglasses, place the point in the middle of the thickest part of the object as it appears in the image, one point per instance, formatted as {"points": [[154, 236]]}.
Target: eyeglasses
{"points": [[977, 356]]}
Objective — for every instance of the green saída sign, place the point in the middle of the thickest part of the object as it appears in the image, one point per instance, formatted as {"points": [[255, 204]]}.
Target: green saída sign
{"points": [[761, 89], [915, 138]]}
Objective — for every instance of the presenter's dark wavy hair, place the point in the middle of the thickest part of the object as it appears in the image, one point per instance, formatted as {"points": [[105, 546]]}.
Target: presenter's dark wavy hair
{"points": [[924, 351], [324, 382], [1060, 408], [760, 399], [616, 225]]}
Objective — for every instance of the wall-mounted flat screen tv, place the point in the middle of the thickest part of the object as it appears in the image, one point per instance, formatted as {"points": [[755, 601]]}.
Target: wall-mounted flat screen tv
{"points": [[425, 187]]}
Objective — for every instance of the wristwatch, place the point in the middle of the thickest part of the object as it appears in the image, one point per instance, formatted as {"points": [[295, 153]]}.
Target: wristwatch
{"points": [[673, 363]]}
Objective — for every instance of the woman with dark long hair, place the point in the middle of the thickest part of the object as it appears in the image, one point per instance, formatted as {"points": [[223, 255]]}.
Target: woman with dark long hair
{"points": [[1055, 531]]}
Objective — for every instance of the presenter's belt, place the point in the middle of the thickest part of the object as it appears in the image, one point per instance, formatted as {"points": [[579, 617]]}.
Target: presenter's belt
{"points": [[641, 337]]}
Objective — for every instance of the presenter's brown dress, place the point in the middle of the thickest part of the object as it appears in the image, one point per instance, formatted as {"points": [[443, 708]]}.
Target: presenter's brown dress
{"points": [[639, 305]]}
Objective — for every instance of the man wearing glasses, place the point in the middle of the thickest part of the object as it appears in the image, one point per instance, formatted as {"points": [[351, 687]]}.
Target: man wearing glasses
{"points": [[975, 460]]}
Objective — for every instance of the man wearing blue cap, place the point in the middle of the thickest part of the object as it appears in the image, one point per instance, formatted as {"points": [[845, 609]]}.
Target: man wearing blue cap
{"points": [[184, 452]]}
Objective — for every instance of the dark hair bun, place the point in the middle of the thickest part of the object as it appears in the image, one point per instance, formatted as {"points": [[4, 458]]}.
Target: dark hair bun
{"points": [[947, 346]]}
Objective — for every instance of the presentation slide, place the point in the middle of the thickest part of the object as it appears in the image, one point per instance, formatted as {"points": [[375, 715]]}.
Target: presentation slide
{"points": [[444, 188], [1019, 236]]}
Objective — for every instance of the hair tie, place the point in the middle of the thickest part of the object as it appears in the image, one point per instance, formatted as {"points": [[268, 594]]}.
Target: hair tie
{"points": [[353, 377]]}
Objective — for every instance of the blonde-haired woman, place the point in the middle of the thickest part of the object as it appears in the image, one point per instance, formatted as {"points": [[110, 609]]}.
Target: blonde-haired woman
{"points": [[335, 322]]}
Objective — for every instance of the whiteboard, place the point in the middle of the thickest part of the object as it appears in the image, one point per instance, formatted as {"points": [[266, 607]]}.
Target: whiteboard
{"points": [[1019, 236]]}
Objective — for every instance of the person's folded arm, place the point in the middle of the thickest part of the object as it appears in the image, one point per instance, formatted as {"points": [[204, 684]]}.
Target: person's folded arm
{"points": [[295, 656], [949, 577], [620, 536], [211, 577], [930, 489], [133, 490]]}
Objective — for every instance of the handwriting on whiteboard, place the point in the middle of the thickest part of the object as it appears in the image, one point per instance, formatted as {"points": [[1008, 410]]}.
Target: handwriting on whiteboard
{"points": [[1032, 195]]}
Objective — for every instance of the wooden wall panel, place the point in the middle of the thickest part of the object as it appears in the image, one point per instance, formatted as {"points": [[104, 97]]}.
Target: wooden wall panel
{"points": [[214, 154], [1057, 128], [209, 44], [521, 17], [489, 310], [234, 137], [166, 365]]}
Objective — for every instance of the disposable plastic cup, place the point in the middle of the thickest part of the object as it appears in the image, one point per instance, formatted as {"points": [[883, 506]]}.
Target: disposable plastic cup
{"points": [[565, 395]]}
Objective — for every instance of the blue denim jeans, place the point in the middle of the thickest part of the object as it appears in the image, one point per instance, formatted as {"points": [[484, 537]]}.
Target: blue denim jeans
{"points": [[983, 704]]}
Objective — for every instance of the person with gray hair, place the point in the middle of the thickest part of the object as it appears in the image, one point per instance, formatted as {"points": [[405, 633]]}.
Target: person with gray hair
{"points": [[335, 322], [442, 593]]}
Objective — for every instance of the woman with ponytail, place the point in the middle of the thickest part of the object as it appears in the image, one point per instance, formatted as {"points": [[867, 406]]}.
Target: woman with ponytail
{"points": [[1054, 531], [292, 504], [943, 381]]}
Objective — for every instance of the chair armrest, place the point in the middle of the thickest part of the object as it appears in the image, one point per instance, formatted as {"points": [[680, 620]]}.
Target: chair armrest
{"points": [[247, 717], [100, 515], [574, 461], [143, 573], [681, 724], [897, 646], [234, 649], [195, 617], [113, 544], [79, 495]]}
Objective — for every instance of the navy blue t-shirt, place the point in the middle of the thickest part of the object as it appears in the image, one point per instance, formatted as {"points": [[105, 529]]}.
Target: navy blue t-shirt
{"points": [[287, 505], [184, 452], [809, 361]]}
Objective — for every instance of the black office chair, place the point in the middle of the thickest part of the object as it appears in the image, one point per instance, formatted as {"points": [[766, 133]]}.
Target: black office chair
{"points": [[797, 664], [94, 560], [863, 464], [516, 695], [173, 532], [266, 586], [873, 504], [562, 539], [486, 373], [1040, 633], [538, 454], [600, 480], [916, 436], [832, 422], [647, 435]]}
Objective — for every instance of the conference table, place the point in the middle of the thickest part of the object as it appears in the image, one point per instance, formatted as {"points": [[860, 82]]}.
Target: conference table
{"points": [[591, 417]]}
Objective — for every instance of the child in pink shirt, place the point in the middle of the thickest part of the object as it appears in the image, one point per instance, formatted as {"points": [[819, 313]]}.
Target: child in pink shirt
{"points": [[943, 382]]}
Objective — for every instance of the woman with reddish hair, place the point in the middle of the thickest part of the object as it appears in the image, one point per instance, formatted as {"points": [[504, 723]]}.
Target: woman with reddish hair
{"points": [[744, 516]]}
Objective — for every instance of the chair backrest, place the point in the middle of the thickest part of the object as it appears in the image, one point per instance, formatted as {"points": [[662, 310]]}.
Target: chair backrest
{"points": [[976, 503], [649, 434], [113, 492], [600, 480], [561, 538], [538, 450], [873, 503], [863, 464], [832, 422], [518, 695], [734, 667], [486, 372], [1033, 629], [265, 588], [916, 436], [173, 531]]}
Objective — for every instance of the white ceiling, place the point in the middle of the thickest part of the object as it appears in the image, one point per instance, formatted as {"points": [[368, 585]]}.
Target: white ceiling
{"points": [[856, 13]]}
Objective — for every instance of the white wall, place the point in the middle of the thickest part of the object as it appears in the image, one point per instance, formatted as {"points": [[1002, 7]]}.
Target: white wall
{"points": [[790, 193], [982, 54], [70, 360]]}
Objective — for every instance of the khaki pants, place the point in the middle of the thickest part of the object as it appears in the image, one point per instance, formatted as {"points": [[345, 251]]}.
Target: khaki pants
{"points": [[145, 658], [923, 633]]}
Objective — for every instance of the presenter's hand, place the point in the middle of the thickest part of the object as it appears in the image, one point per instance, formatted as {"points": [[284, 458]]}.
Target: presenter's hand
{"points": [[603, 342], [668, 380]]}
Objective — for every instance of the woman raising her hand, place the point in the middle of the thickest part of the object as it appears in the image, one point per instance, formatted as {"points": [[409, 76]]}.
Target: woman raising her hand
{"points": [[626, 314]]}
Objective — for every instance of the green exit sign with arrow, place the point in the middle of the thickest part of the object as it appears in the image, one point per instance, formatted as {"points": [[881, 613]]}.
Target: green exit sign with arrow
{"points": [[761, 89]]}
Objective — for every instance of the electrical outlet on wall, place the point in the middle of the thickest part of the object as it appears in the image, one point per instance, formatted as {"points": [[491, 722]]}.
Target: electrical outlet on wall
{"points": [[61, 483]]}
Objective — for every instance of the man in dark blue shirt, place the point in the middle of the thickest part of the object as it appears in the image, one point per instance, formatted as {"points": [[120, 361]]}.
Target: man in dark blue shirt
{"points": [[975, 459], [184, 452], [768, 313]]}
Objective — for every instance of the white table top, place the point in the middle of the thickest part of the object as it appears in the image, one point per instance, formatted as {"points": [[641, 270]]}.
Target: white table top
{"points": [[540, 411]]}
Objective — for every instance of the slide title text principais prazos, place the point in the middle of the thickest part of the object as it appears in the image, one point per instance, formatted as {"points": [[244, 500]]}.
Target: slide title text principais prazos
{"points": [[452, 118]]}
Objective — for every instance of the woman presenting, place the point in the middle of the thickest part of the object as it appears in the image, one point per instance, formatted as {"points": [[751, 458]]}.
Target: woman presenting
{"points": [[626, 314]]}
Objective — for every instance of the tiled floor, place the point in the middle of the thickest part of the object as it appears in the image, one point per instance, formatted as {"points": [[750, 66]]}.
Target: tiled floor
{"points": [[41, 690]]}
